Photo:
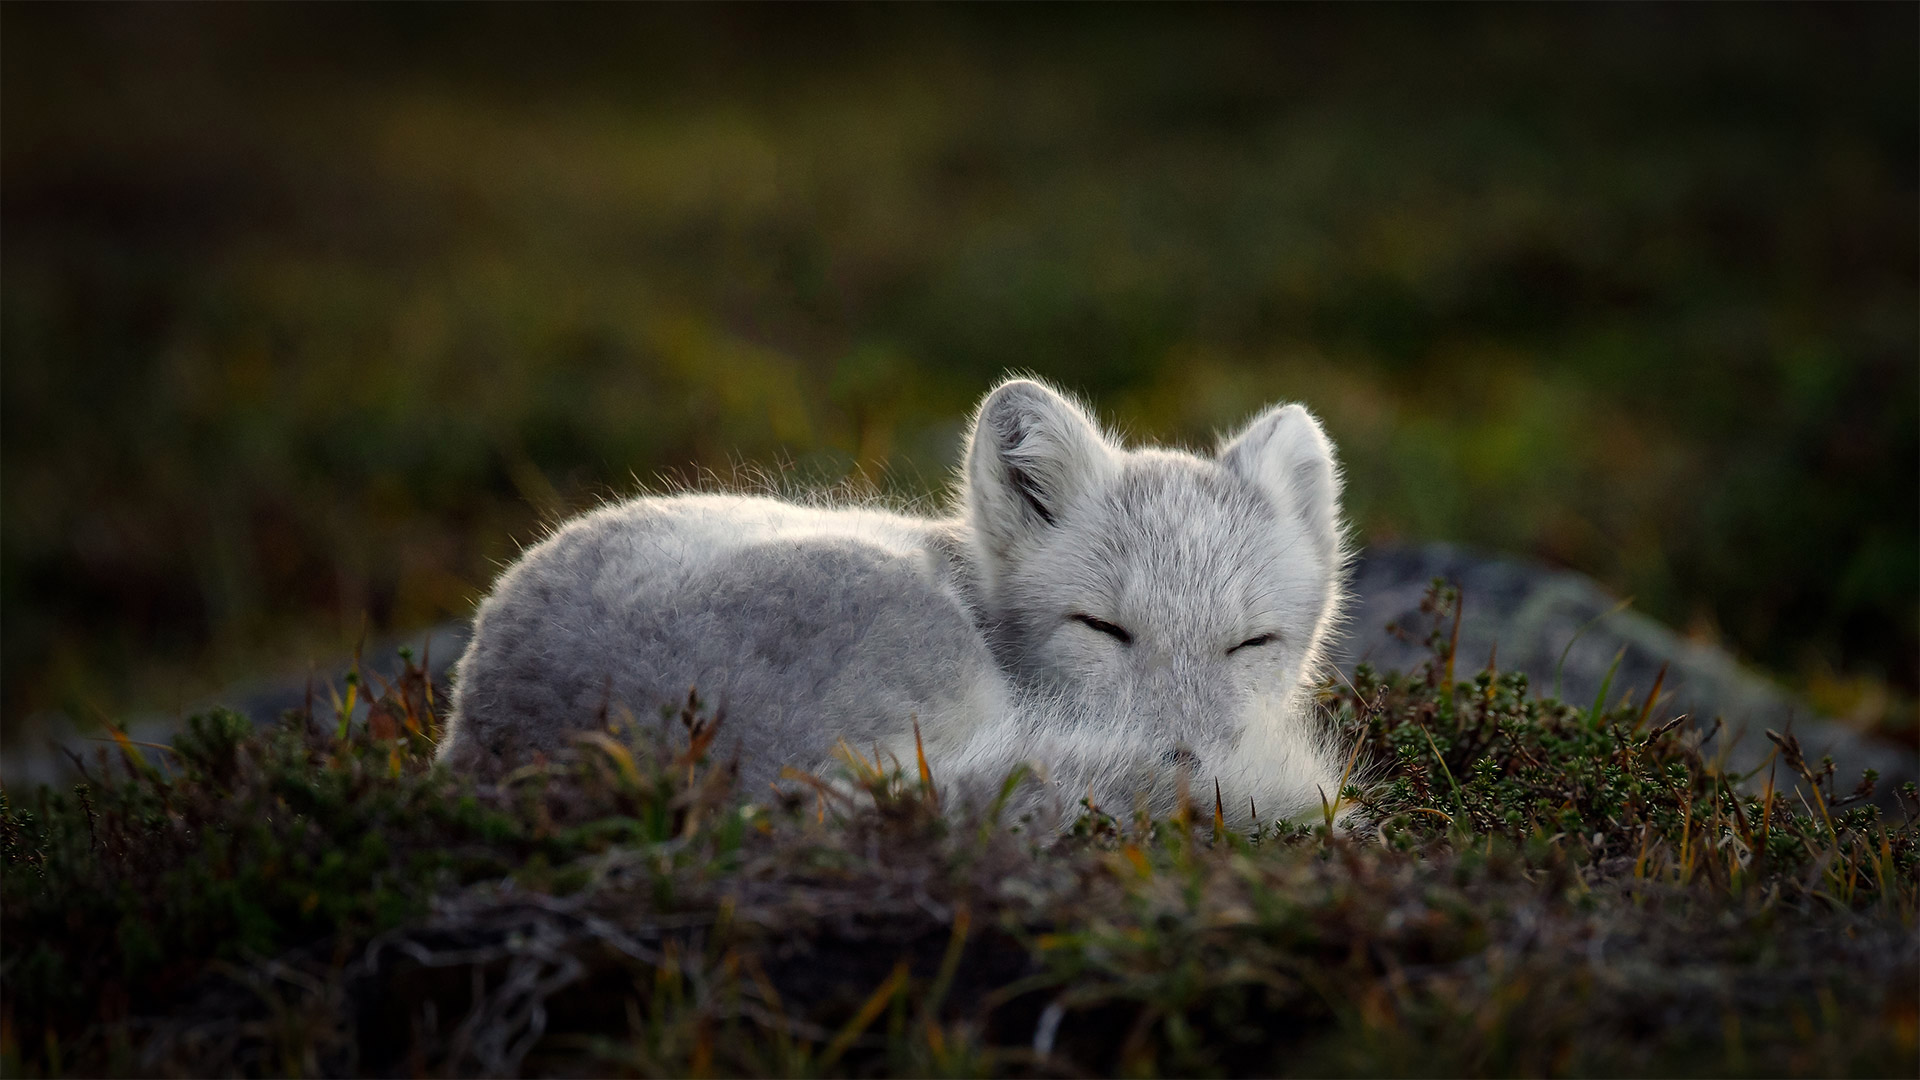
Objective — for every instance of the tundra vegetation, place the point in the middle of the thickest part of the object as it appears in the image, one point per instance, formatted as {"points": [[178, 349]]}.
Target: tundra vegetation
{"points": [[1514, 885]]}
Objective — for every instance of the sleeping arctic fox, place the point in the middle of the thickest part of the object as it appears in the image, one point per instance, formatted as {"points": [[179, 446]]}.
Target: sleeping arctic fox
{"points": [[1126, 620]]}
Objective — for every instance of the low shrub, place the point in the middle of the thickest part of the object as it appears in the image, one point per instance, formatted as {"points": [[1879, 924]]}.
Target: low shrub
{"points": [[1506, 885]]}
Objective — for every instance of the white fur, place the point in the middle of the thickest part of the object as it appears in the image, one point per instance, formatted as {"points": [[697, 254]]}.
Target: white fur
{"points": [[1000, 629]]}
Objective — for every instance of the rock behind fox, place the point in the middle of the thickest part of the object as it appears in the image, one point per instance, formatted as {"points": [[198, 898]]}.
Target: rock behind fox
{"points": [[1126, 620]]}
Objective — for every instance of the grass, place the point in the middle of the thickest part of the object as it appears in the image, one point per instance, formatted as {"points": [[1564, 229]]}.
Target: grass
{"points": [[1516, 886]]}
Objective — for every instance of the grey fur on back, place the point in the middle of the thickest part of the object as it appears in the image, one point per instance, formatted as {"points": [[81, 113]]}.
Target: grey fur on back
{"points": [[1122, 618]]}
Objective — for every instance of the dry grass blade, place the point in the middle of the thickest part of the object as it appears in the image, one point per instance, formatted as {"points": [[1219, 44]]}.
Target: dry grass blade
{"points": [[926, 774], [615, 752], [1453, 640], [865, 1017], [1668, 726], [1653, 696]]}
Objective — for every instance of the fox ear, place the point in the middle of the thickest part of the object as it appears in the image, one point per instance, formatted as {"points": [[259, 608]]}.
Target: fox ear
{"points": [[1285, 454], [1032, 454]]}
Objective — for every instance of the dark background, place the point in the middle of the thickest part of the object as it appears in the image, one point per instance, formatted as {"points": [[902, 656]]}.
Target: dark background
{"points": [[311, 315]]}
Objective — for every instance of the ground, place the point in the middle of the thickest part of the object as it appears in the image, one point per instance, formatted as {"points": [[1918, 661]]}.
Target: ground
{"points": [[1513, 886]]}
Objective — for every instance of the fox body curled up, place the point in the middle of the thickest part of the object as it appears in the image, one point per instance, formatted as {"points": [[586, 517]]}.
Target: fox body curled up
{"points": [[1120, 618]]}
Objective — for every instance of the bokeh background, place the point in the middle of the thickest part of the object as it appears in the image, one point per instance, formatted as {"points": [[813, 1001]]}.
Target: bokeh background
{"points": [[310, 316]]}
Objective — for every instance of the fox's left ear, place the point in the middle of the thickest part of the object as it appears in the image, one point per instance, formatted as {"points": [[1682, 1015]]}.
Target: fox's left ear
{"points": [[1284, 452]]}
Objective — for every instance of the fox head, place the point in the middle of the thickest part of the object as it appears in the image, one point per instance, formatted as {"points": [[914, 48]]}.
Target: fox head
{"points": [[1166, 610]]}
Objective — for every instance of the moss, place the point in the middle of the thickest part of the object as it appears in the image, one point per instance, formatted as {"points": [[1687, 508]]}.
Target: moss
{"points": [[1520, 887]]}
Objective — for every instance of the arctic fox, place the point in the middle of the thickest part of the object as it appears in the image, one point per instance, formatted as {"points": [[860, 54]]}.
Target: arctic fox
{"points": [[1128, 621]]}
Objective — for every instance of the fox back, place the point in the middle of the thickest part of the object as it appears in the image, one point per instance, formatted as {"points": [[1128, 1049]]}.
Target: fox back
{"points": [[1127, 621]]}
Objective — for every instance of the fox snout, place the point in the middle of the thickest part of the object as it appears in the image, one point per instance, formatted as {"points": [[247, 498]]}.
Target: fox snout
{"points": [[1195, 717]]}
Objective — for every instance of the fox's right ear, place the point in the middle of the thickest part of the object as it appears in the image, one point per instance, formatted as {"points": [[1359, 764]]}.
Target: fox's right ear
{"points": [[1031, 455]]}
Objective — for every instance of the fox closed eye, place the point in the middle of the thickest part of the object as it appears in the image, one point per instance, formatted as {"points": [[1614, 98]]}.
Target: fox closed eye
{"points": [[1119, 634], [1254, 643]]}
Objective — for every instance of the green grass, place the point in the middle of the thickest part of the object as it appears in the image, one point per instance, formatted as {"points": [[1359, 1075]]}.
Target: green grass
{"points": [[312, 317], [1517, 887]]}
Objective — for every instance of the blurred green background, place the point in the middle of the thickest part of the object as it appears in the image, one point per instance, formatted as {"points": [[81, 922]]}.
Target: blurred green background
{"points": [[311, 315]]}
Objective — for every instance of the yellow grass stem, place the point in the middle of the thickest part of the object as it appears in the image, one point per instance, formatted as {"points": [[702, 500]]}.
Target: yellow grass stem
{"points": [[1653, 696], [943, 980], [863, 1019], [1453, 642], [621, 757], [123, 742], [926, 774]]}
